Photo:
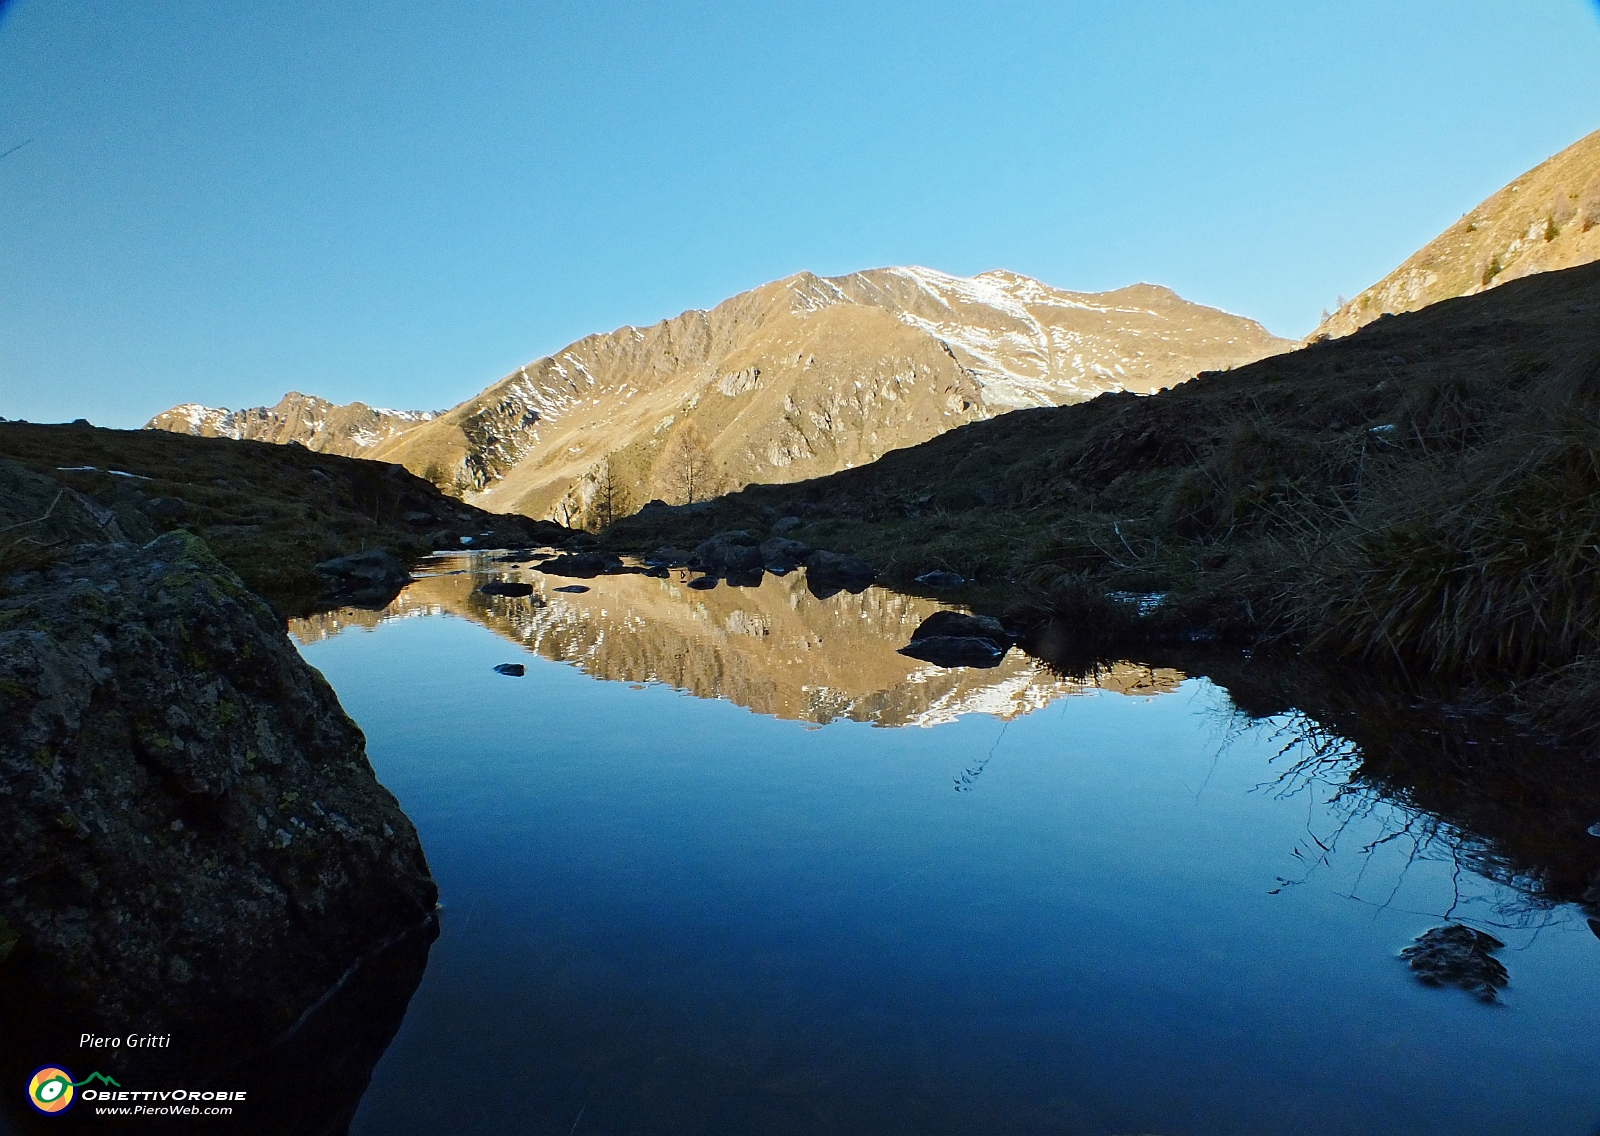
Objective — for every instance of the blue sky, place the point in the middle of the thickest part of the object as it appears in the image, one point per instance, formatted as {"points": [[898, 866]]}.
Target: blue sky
{"points": [[400, 202]]}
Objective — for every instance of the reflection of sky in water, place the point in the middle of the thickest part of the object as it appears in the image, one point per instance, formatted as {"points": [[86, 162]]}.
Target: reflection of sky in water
{"points": [[665, 913]]}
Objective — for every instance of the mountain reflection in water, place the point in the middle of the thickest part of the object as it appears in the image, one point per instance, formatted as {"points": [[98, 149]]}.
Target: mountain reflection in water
{"points": [[775, 649], [662, 914]]}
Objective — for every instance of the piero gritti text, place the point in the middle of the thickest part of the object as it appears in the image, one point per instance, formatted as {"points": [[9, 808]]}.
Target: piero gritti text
{"points": [[127, 1041]]}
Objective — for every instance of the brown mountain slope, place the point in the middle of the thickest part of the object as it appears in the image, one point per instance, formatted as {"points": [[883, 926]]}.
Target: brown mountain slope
{"points": [[806, 376], [1549, 218], [351, 430]]}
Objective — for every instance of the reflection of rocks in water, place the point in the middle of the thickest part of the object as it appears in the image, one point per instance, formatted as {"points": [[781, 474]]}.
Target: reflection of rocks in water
{"points": [[193, 843], [1456, 955], [954, 639], [1463, 784], [776, 648], [1509, 807]]}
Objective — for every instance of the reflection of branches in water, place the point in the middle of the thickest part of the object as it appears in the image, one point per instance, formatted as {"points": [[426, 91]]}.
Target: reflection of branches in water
{"points": [[1327, 769], [967, 776]]}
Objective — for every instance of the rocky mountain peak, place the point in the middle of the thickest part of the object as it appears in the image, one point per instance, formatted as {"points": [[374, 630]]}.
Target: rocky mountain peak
{"points": [[799, 377]]}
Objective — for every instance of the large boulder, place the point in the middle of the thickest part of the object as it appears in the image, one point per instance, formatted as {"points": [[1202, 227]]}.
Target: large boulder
{"points": [[192, 840]]}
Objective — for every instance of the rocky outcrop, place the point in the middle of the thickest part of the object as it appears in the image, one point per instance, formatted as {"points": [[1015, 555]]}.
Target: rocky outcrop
{"points": [[191, 838]]}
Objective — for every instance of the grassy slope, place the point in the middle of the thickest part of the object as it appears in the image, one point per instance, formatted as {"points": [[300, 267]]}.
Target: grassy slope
{"points": [[269, 512], [1547, 219], [1426, 490]]}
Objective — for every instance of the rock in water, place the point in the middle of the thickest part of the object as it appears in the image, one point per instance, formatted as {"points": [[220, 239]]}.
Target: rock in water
{"points": [[507, 588], [836, 569], [669, 557], [515, 670], [1455, 955], [364, 579], [941, 579], [574, 589], [961, 624], [583, 565], [191, 839], [954, 651]]}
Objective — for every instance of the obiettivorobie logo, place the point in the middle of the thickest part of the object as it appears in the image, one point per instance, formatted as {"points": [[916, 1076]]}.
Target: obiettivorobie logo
{"points": [[52, 1089]]}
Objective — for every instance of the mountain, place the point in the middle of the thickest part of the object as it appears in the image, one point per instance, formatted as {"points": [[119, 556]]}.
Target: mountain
{"points": [[797, 378], [351, 430], [1548, 219], [805, 376]]}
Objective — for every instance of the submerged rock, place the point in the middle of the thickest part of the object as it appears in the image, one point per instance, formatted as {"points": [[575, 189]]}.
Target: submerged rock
{"points": [[511, 588], [941, 579], [1456, 955], [573, 589], [514, 670], [190, 833], [703, 583], [363, 579]]}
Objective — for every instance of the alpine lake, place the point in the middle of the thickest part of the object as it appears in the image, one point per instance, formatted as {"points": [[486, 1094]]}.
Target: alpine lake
{"points": [[724, 861]]}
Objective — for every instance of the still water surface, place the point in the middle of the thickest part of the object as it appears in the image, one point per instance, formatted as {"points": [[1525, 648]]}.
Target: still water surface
{"points": [[724, 862]]}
